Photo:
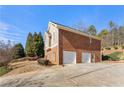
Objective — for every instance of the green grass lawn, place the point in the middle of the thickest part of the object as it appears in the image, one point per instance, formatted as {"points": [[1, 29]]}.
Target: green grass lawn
{"points": [[3, 70], [115, 56], [122, 56]]}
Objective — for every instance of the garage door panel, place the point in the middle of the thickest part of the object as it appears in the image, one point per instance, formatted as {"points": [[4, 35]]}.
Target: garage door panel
{"points": [[69, 57], [86, 57]]}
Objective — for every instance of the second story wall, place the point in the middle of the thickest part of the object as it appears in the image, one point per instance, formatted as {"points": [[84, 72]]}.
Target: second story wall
{"points": [[73, 41], [51, 36]]}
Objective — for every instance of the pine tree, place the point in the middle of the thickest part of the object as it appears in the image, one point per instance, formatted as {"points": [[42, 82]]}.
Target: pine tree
{"points": [[40, 45], [92, 30], [29, 45], [35, 43]]}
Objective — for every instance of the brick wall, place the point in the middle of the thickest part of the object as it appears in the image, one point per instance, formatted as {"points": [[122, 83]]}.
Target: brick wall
{"points": [[75, 42]]}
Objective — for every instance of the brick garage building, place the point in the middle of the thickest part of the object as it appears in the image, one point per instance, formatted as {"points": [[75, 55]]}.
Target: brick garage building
{"points": [[65, 45]]}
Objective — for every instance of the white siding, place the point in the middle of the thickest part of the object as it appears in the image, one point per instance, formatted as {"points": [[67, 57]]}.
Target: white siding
{"points": [[54, 32], [46, 39]]}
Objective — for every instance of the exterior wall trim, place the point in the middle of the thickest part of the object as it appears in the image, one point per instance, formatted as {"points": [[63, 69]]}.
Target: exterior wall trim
{"points": [[58, 47], [51, 46]]}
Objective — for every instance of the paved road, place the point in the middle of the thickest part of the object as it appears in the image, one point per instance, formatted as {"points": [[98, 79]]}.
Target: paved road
{"points": [[95, 74]]}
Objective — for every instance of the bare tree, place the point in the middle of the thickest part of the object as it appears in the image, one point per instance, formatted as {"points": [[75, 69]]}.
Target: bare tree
{"points": [[80, 26], [5, 52], [114, 37]]}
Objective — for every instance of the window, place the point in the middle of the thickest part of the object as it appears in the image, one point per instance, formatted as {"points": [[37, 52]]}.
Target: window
{"points": [[50, 41], [53, 36], [46, 40], [48, 57], [54, 39]]}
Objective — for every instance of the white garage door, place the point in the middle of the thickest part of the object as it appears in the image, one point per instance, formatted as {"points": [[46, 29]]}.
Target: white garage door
{"points": [[69, 57], [86, 57]]}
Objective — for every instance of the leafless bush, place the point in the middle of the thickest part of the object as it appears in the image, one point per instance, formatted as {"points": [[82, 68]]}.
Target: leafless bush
{"points": [[5, 53]]}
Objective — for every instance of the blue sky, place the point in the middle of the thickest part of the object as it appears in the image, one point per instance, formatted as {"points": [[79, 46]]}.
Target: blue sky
{"points": [[17, 21]]}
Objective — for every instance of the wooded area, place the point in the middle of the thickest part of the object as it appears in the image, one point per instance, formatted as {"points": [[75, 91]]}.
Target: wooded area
{"points": [[5, 52], [110, 37], [114, 36], [34, 48]]}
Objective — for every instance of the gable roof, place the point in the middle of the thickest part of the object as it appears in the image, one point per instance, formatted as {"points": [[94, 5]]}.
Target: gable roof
{"points": [[67, 28]]}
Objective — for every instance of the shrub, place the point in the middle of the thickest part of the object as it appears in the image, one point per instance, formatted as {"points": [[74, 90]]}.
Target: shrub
{"points": [[3, 70], [43, 62], [122, 46], [18, 51], [108, 48], [4, 60], [115, 47], [33, 58], [4, 63], [105, 57], [114, 56]]}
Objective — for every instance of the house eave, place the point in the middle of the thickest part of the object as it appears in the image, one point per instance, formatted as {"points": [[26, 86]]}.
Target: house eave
{"points": [[73, 30]]}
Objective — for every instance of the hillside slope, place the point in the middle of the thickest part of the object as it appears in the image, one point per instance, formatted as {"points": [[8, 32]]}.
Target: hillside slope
{"points": [[24, 67]]}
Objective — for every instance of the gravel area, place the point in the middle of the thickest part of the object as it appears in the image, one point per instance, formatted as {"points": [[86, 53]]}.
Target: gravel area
{"points": [[72, 75]]}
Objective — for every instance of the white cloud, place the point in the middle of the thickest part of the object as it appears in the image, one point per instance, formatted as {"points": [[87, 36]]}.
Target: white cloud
{"points": [[3, 38], [10, 32], [3, 26]]}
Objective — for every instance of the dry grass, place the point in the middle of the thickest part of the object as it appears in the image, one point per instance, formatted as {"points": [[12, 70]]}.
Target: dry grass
{"points": [[105, 52], [24, 67]]}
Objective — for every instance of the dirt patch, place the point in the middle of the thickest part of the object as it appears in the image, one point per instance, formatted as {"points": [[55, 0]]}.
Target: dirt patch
{"points": [[106, 52], [24, 67], [121, 61]]}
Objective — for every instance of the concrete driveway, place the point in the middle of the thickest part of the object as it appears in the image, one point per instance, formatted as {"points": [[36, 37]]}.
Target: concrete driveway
{"points": [[95, 74]]}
